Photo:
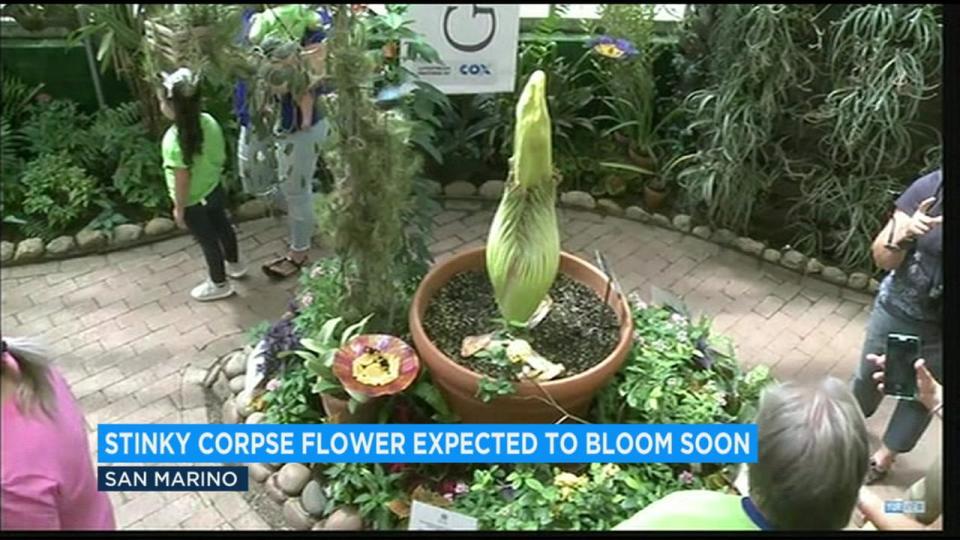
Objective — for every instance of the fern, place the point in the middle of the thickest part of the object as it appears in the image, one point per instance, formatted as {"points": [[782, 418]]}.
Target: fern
{"points": [[15, 97]]}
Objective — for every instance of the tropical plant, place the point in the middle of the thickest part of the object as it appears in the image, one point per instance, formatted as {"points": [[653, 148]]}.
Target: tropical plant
{"points": [[869, 124], [523, 248], [57, 194], [120, 31], [374, 168], [760, 59], [15, 97]]}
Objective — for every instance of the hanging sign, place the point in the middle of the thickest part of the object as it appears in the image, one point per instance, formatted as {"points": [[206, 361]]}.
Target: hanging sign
{"points": [[477, 45]]}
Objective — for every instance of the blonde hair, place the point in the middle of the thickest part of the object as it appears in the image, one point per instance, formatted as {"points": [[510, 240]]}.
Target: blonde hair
{"points": [[34, 388]]}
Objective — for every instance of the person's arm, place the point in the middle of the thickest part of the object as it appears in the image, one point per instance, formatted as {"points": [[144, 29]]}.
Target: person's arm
{"points": [[181, 196], [872, 508], [885, 257]]}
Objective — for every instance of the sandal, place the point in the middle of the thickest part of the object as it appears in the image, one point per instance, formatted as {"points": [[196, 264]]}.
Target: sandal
{"points": [[283, 267], [875, 473]]}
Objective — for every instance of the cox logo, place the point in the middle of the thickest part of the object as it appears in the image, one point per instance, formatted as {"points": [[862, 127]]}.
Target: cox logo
{"points": [[474, 69]]}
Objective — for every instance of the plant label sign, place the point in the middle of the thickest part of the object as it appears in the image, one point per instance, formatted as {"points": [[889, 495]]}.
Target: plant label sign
{"points": [[476, 43], [426, 517]]}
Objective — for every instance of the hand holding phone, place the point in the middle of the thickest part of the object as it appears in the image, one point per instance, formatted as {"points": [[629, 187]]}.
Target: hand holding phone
{"points": [[899, 376]]}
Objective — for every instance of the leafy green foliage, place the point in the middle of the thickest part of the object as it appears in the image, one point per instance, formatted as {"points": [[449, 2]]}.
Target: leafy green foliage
{"points": [[489, 389], [319, 350], [321, 288], [679, 373], [366, 486], [57, 194], [293, 402]]}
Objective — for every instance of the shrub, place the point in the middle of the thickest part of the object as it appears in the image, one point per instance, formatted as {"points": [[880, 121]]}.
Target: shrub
{"points": [[58, 194]]}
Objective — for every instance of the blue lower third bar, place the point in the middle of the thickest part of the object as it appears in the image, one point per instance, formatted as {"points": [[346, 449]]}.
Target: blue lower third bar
{"points": [[172, 479]]}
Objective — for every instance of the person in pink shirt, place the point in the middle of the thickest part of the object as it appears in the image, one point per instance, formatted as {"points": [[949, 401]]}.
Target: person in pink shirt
{"points": [[48, 481]]}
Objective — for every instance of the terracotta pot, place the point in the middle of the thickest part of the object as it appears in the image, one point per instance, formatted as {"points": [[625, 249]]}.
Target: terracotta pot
{"points": [[459, 384], [653, 198], [338, 410]]}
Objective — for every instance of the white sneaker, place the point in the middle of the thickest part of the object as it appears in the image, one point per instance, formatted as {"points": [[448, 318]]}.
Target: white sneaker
{"points": [[209, 290], [235, 270]]}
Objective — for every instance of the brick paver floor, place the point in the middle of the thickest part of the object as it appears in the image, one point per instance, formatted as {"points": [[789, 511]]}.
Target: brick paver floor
{"points": [[133, 344]]}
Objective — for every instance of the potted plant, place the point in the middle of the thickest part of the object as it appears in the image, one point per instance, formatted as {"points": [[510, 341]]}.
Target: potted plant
{"points": [[539, 383], [352, 370]]}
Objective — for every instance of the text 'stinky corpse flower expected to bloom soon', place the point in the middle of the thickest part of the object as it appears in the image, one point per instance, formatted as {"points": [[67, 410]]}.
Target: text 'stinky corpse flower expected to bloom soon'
{"points": [[376, 365]]}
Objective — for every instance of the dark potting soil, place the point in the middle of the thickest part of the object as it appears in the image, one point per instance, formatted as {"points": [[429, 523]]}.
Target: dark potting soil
{"points": [[579, 332]]}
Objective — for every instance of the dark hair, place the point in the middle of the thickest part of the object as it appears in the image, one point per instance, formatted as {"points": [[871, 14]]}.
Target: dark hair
{"points": [[186, 115]]}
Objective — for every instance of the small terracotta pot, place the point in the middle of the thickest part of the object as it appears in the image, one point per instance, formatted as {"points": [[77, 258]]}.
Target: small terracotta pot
{"points": [[459, 384], [338, 410], [653, 198]]}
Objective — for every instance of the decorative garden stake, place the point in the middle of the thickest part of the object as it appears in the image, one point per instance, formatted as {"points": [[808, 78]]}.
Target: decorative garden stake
{"points": [[523, 249], [376, 365]]}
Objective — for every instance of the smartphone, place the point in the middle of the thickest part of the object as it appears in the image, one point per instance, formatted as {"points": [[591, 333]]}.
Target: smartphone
{"points": [[899, 375]]}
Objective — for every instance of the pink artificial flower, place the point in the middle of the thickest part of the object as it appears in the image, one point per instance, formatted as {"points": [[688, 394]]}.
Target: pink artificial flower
{"points": [[686, 477], [461, 488], [273, 385], [306, 300]]}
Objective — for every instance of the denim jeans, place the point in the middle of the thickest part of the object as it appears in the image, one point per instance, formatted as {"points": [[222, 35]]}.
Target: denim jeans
{"points": [[910, 418], [293, 159]]}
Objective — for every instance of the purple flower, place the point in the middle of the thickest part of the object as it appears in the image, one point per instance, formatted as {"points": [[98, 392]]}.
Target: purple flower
{"points": [[616, 48], [686, 477]]}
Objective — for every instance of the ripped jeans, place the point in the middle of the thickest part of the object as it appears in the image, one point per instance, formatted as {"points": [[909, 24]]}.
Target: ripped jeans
{"points": [[292, 158]]}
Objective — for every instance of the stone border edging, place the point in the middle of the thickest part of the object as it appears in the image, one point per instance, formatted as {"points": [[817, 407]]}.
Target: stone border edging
{"points": [[291, 486], [87, 242], [125, 236], [789, 259]]}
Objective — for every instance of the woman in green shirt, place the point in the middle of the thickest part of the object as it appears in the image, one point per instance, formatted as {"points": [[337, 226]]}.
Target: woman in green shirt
{"points": [[193, 157]]}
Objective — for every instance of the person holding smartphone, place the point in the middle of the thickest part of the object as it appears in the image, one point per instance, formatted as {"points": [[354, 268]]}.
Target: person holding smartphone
{"points": [[928, 489], [909, 302]]}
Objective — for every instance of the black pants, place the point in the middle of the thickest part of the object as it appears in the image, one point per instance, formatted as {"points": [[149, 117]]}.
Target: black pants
{"points": [[209, 224]]}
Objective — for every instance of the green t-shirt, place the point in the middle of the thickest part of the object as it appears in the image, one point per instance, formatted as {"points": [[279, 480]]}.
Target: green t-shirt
{"points": [[694, 510], [207, 165]]}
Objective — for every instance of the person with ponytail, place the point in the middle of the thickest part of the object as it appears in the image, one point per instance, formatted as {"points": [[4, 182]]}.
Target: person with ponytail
{"points": [[48, 482], [193, 157]]}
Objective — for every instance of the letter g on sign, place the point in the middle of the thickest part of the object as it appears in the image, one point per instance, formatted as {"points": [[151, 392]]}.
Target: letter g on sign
{"points": [[480, 45]]}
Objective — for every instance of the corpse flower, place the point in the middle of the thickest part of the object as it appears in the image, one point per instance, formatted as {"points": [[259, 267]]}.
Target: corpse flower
{"points": [[375, 365]]}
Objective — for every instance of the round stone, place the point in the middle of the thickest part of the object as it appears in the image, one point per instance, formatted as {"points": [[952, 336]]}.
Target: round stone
{"points": [[292, 478], [749, 245], [221, 387], [7, 250], [345, 518], [814, 266], [858, 280], [682, 222], [609, 206], [244, 404], [89, 240], [296, 517], [793, 260], [661, 220], [873, 286], [236, 384], [127, 233], [229, 411], [29, 250], [771, 255], [579, 199], [835, 275], [492, 189], [61, 245], [702, 231], [313, 499], [724, 237], [259, 472], [460, 189], [256, 418], [236, 364], [319, 526], [252, 209], [273, 490], [434, 189], [637, 214], [158, 226]]}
